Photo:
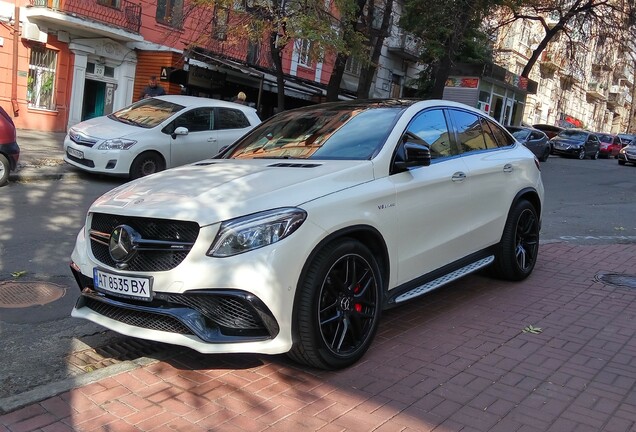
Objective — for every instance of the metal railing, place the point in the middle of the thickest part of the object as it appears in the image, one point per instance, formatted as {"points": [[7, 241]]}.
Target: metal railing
{"points": [[118, 13]]}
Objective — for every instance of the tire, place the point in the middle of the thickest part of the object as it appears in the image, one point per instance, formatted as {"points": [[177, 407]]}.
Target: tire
{"points": [[594, 156], [4, 170], [516, 254], [338, 306], [545, 156], [581, 154], [145, 164], [621, 162]]}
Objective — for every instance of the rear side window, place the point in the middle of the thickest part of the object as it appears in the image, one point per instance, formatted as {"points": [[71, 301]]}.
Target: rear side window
{"points": [[231, 119], [469, 133], [503, 139]]}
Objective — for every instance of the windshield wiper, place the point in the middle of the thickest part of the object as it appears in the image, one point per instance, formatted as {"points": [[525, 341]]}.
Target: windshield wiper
{"points": [[128, 121]]}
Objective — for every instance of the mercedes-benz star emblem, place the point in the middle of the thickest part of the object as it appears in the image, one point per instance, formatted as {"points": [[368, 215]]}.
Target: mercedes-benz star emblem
{"points": [[123, 243]]}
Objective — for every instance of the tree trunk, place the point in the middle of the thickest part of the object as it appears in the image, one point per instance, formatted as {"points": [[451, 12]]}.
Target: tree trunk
{"points": [[277, 60], [333, 88], [368, 71]]}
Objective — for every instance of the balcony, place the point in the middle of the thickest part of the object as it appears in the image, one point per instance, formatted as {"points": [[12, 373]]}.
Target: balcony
{"points": [[624, 72], [616, 96], [596, 90], [548, 61], [120, 14], [404, 45]]}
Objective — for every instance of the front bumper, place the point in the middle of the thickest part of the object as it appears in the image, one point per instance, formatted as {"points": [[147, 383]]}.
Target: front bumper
{"points": [[236, 304], [570, 151], [12, 151], [626, 157], [112, 162]]}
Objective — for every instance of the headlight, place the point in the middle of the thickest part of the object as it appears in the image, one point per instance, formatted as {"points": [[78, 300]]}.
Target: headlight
{"points": [[623, 150], [117, 144], [255, 231]]}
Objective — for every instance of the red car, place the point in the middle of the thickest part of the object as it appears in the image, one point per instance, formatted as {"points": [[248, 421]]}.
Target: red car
{"points": [[9, 150], [610, 145]]}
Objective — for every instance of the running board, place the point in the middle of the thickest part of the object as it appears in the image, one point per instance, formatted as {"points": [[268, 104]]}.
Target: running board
{"points": [[447, 278]]}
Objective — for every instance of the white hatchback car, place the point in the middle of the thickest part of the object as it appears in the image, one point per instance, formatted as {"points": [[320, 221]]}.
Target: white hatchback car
{"points": [[295, 238], [155, 134]]}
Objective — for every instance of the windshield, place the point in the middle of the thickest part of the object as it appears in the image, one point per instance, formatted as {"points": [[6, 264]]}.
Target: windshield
{"points": [[575, 135], [146, 113], [335, 132], [520, 134]]}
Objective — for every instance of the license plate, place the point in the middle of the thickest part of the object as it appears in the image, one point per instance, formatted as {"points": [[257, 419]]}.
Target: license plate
{"points": [[123, 286], [76, 153]]}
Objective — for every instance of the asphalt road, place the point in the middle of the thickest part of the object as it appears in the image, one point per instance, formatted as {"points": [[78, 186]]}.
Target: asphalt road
{"points": [[587, 202]]}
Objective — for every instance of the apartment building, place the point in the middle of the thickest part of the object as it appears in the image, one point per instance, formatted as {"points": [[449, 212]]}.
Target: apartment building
{"points": [[65, 61], [585, 83]]}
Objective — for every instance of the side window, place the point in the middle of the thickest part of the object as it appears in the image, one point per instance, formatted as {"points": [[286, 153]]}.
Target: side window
{"points": [[231, 119], [196, 120], [504, 139], [469, 133], [489, 136], [431, 127]]}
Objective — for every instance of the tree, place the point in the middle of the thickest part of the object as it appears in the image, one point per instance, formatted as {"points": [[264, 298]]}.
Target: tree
{"points": [[577, 20], [450, 31]]}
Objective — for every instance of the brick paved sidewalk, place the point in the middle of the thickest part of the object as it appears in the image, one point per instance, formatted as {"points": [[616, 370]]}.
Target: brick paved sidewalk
{"points": [[456, 359]]}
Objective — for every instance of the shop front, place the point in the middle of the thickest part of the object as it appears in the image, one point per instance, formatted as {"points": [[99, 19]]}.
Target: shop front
{"points": [[492, 89]]}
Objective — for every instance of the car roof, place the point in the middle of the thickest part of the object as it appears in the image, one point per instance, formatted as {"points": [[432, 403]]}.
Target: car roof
{"points": [[195, 101]]}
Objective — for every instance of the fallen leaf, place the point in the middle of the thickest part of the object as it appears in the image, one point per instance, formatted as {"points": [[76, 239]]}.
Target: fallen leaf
{"points": [[18, 274]]}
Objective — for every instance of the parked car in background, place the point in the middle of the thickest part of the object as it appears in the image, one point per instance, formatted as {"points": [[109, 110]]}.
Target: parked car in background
{"points": [[9, 149], [295, 238], [626, 138], [627, 154], [550, 130], [155, 134], [610, 145], [534, 139], [576, 143]]}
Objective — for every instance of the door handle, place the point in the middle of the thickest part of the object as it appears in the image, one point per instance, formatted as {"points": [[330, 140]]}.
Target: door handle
{"points": [[458, 176], [507, 168], [211, 139]]}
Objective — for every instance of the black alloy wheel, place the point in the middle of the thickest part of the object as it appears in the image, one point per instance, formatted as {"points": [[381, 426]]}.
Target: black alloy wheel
{"points": [[595, 155], [338, 306], [519, 247]]}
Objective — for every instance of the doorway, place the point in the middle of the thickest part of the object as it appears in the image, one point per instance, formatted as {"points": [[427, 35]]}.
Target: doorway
{"points": [[94, 99]]}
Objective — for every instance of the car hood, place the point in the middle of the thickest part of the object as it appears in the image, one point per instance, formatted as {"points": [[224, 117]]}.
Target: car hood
{"points": [[105, 128], [217, 189]]}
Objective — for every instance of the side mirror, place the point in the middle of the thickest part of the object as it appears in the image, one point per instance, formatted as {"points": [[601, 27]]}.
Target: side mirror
{"points": [[180, 131], [414, 155]]}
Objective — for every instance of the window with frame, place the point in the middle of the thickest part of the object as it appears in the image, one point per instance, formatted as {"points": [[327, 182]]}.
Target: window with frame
{"points": [[231, 119], [220, 20], [41, 79], [431, 127], [196, 120], [110, 3], [353, 66], [302, 51], [469, 132], [170, 12]]}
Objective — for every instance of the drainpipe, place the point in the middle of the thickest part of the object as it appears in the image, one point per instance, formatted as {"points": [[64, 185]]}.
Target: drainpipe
{"points": [[14, 76]]}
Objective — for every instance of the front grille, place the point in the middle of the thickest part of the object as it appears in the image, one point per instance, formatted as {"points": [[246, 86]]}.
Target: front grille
{"points": [[164, 230], [86, 162], [226, 311], [211, 315], [137, 318]]}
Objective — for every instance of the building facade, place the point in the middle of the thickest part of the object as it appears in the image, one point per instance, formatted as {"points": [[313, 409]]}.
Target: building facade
{"points": [[585, 83]]}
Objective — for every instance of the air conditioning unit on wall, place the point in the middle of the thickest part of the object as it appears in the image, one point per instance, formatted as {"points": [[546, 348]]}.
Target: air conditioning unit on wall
{"points": [[32, 32]]}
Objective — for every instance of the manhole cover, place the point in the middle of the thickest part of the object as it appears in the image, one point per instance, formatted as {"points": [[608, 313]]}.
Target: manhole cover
{"points": [[21, 294], [622, 280]]}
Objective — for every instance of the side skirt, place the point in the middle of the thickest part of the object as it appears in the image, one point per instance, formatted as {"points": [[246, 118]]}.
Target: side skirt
{"points": [[442, 280]]}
